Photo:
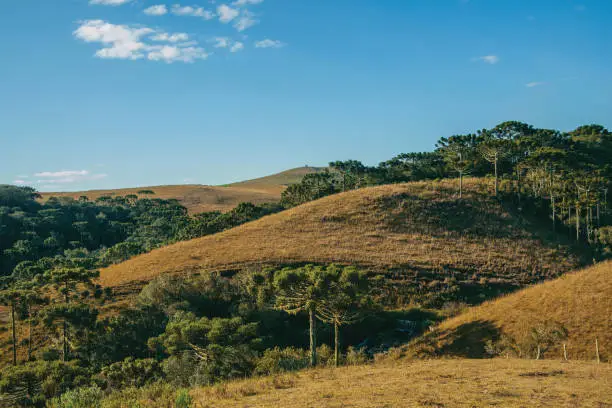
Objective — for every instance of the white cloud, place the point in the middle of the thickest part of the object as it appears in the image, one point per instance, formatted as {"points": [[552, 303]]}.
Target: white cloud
{"points": [[19, 182], [534, 84], [245, 21], [226, 13], [64, 177], [173, 38], [221, 42], [122, 42], [109, 2], [267, 43], [241, 3], [62, 173], [158, 10], [489, 59], [170, 54], [179, 10], [238, 46], [132, 43]]}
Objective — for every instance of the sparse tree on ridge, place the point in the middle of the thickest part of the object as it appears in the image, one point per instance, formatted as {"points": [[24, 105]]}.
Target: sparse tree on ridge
{"points": [[458, 153]]}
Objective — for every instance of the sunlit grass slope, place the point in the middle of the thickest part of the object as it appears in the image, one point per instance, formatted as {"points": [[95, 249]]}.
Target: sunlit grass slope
{"points": [[433, 383], [199, 198], [410, 230], [581, 301]]}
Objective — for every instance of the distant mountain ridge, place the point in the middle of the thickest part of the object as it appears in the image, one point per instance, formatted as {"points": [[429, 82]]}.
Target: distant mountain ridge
{"points": [[201, 198]]}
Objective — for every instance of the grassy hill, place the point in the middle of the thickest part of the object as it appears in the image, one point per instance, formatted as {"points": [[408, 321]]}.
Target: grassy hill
{"points": [[283, 178], [433, 383], [581, 301], [199, 198], [420, 234]]}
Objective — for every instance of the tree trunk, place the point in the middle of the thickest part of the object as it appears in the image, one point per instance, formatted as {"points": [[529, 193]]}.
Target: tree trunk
{"points": [[313, 338], [29, 336], [336, 343], [65, 342], [518, 185], [577, 223], [554, 215], [564, 352], [14, 334], [538, 352], [496, 180], [65, 345], [460, 184]]}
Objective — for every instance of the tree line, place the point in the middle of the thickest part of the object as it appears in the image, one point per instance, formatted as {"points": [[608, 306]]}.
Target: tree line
{"points": [[566, 174]]}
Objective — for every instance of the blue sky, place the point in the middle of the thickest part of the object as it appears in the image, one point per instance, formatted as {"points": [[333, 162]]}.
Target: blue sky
{"points": [[151, 92]]}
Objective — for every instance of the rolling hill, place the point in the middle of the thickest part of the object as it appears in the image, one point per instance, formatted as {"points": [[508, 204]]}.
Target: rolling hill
{"points": [[200, 198], [417, 233], [581, 301], [411, 384]]}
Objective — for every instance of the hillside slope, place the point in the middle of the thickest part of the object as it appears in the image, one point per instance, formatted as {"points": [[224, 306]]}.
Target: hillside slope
{"points": [[433, 383], [284, 178], [411, 231], [200, 198], [581, 301]]}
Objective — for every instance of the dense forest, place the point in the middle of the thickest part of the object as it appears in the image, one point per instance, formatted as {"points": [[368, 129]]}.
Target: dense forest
{"points": [[186, 331]]}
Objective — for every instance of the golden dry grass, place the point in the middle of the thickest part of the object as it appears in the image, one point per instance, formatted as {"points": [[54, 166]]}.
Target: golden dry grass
{"points": [[431, 383], [199, 198], [284, 178], [414, 227], [581, 301]]}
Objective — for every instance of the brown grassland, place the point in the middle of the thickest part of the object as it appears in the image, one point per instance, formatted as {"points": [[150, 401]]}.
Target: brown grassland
{"points": [[581, 302], [428, 383], [407, 229], [200, 198]]}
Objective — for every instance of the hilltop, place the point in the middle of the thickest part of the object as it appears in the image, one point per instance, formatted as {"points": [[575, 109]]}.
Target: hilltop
{"points": [[581, 302], [200, 198], [417, 232]]}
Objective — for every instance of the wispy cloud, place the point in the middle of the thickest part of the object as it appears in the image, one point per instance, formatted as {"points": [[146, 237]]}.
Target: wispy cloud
{"points": [[238, 46], [489, 59], [190, 11], [226, 13], [158, 10], [133, 43], [20, 182], [170, 53], [109, 2], [534, 84], [62, 173], [242, 3], [173, 38], [246, 20], [50, 178], [226, 42], [267, 43]]}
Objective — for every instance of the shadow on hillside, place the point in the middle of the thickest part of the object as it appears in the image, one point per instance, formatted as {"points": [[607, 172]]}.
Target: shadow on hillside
{"points": [[467, 340], [407, 213]]}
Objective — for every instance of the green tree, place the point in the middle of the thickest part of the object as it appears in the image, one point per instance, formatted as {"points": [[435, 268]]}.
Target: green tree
{"points": [[304, 290], [14, 299], [458, 153], [67, 281], [342, 302]]}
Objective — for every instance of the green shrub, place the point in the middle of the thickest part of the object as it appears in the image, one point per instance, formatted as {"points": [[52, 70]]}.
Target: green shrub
{"points": [[132, 373], [356, 356], [279, 360], [183, 399], [90, 397]]}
